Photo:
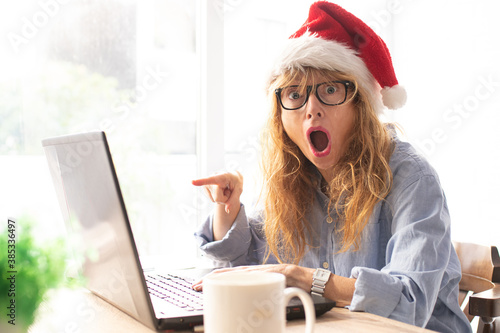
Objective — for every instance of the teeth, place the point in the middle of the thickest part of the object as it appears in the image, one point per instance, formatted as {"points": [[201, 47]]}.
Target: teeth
{"points": [[319, 140]]}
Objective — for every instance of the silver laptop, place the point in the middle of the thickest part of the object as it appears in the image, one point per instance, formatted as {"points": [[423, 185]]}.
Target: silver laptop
{"points": [[93, 209]]}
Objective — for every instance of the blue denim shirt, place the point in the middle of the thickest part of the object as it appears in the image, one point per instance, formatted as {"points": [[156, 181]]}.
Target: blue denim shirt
{"points": [[406, 267]]}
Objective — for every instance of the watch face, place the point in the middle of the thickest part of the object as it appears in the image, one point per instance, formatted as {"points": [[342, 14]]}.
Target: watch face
{"points": [[322, 274]]}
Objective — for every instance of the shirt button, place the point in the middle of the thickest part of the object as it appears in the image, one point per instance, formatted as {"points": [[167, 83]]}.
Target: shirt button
{"points": [[329, 219], [325, 265]]}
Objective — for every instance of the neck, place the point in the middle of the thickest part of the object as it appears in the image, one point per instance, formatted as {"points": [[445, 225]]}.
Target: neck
{"points": [[327, 174]]}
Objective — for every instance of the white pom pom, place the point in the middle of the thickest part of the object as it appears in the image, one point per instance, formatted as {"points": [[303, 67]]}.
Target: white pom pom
{"points": [[394, 97]]}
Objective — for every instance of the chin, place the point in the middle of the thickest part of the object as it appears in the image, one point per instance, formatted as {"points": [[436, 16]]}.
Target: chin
{"points": [[323, 163]]}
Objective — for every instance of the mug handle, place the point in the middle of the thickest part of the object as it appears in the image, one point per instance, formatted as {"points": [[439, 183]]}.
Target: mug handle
{"points": [[308, 305]]}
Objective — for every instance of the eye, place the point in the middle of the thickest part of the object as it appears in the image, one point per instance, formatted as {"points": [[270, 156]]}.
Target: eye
{"points": [[293, 95], [330, 90]]}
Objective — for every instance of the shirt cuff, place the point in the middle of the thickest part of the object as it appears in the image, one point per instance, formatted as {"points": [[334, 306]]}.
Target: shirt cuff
{"points": [[375, 292], [233, 246]]}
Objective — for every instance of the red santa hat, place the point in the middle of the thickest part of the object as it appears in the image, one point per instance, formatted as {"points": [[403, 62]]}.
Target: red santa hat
{"points": [[334, 39]]}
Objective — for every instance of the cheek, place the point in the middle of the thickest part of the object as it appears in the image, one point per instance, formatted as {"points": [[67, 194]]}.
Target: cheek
{"points": [[346, 127]]}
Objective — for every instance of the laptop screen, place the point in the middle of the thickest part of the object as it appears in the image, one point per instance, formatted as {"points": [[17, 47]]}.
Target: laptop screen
{"points": [[88, 192]]}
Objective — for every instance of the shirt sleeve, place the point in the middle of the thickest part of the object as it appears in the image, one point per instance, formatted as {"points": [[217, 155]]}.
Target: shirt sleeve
{"points": [[417, 257], [243, 244]]}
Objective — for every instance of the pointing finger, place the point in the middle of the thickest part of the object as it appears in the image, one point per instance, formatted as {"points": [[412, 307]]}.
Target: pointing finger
{"points": [[219, 180]]}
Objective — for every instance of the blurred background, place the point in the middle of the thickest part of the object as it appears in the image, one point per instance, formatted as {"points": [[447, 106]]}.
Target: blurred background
{"points": [[178, 86]]}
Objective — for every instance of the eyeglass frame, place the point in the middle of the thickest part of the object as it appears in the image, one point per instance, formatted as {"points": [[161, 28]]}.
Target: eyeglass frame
{"points": [[346, 84]]}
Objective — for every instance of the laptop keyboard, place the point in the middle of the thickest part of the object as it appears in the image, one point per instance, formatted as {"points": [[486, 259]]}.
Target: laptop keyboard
{"points": [[175, 290]]}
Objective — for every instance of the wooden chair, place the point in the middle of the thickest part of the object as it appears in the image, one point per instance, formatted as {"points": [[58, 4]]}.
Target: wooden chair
{"points": [[480, 284]]}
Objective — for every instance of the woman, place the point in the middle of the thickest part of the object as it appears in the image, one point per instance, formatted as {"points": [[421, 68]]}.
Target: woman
{"points": [[350, 211]]}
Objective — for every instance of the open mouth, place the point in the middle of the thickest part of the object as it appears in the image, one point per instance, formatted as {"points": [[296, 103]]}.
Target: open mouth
{"points": [[319, 141]]}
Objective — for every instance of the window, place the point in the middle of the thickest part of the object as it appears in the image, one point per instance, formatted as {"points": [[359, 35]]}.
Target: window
{"points": [[131, 68]]}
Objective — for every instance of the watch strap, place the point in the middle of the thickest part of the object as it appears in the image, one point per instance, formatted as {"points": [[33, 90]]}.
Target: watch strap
{"points": [[320, 278]]}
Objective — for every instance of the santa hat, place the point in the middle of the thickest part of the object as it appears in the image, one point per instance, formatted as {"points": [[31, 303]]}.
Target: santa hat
{"points": [[334, 39]]}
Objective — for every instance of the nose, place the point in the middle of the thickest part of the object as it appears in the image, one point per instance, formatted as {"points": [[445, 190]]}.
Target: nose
{"points": [[314, 108]]}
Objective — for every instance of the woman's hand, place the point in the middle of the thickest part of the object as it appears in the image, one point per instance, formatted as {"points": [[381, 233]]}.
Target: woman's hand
{"points": [[296, 276], [225, 190]]}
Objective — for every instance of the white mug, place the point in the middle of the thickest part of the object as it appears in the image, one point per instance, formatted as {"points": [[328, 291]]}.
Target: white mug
{"points": [[245, 302]]}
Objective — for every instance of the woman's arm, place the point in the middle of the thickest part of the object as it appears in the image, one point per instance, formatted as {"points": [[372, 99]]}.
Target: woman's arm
{"points": [[338, 288], [419, 271]]}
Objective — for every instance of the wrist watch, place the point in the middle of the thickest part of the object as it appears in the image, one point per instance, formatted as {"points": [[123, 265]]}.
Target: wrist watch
{"points": [[320, 278]]}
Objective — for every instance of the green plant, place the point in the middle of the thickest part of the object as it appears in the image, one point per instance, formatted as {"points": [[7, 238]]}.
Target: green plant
{"points": [[28, 270]]}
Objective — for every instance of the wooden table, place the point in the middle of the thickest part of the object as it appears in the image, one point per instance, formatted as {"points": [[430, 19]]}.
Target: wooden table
{"points": [[79, 311], [343, 320]]}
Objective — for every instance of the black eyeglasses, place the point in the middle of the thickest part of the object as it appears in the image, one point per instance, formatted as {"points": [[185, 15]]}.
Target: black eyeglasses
{"points": [[329, 93]]}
